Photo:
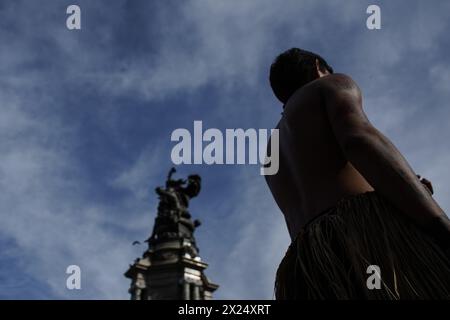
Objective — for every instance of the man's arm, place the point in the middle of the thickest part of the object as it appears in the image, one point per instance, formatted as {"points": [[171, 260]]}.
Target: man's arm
{"points": [[377, 159]]}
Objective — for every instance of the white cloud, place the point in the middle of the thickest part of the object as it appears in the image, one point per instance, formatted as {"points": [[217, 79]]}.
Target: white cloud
{"points": [[136, 178], [223, 43], [259, 241], [43, 210]]}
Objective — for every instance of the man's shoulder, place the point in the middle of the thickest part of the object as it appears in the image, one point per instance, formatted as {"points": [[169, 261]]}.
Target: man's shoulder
{"points": [[332, 86], [340, 91], [329, 85], [338, 84], [337, 81]]}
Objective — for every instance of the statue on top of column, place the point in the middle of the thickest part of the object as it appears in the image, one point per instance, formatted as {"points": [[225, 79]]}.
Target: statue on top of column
{"points": [[174, 219]]}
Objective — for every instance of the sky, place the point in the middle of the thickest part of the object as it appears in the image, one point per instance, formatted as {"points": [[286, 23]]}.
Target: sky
{"points": [[86, 117]]}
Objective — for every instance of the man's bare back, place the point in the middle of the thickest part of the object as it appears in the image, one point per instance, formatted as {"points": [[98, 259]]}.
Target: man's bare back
{"points": [[314, 173]]}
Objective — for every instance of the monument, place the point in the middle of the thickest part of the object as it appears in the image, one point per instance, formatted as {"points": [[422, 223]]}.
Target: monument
{"points": [[171, 267]]}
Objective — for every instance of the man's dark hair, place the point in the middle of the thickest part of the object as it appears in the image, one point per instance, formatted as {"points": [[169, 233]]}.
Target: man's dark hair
{"points": [[293, 69]]}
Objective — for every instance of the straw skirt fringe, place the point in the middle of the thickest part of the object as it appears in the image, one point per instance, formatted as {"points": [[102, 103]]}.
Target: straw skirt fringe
{"points": [[330, 256]]}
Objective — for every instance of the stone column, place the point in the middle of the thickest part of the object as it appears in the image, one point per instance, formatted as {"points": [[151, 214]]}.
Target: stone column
{"points": [[195, 292], [186, 291]]}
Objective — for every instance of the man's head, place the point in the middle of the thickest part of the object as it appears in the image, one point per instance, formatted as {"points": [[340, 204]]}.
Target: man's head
{"points": [[293, 69]]}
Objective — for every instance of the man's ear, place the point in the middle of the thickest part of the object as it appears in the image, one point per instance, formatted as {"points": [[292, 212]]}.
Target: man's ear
{"points": [[319, 70]]}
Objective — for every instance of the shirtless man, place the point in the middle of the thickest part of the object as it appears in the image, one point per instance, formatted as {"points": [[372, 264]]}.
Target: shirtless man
{"points": [[330, 153]]}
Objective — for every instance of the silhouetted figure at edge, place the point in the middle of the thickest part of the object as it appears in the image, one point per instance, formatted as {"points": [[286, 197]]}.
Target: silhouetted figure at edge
{"points": [[349, 198]]}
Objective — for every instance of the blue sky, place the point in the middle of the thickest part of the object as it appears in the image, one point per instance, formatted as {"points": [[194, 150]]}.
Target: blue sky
{"points": [[86, 118]]}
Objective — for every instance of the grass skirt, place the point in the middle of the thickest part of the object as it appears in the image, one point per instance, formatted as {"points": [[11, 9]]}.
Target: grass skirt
{"points": [[330, 256]]}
